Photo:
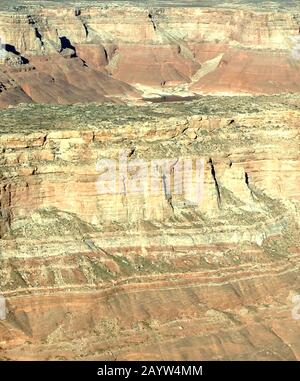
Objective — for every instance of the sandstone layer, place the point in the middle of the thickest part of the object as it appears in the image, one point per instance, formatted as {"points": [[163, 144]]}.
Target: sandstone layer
{"points": [[57, 52], [148, 275]]}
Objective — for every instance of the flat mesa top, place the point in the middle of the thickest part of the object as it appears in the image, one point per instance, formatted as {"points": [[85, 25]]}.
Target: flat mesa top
{"points": [[33, 117], [273, 5]]}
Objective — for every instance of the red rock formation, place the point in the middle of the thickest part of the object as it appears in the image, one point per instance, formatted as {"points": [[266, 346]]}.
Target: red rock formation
{"points": [[92, 55], [153, 65], [252, 72], [149, 274], [141, 275]]}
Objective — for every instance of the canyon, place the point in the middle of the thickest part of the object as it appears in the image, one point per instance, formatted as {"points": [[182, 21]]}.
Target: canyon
{"points": [[56, 52], [202, 266], [139, 275]]}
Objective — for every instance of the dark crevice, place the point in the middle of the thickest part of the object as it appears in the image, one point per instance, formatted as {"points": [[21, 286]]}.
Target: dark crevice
{"points": [[66, 44], [106, 54], [152, 21], [11, 49], [213, 173], [248, 185], [30, 20], [131, 152], [86, 30], [84, 64], [247, 179], [167, 192], [77, 12], [38, 35]]}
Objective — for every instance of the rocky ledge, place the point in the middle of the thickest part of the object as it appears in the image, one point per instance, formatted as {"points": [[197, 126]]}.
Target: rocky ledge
{"points": [[56, 52], [88, 274]]}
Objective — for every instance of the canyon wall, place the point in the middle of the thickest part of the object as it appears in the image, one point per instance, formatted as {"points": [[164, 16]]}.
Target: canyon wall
{"points": [[139, 229], [125, 274], [66, 54]]}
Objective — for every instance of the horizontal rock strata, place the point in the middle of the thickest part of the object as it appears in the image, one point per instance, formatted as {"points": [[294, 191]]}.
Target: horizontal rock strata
{"points": [[63, 54], [151, 275]]}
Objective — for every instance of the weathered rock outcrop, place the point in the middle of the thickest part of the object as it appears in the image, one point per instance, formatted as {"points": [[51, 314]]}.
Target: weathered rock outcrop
{"points": [[151, 274], [163, 231], [59, 54]]}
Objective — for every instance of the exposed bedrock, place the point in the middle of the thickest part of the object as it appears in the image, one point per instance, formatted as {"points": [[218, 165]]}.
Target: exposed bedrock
{"points": [[95, 271], [55, 55]]}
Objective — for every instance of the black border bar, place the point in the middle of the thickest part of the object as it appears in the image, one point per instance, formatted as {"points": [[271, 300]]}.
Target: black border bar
{"points": [[124, 370]]}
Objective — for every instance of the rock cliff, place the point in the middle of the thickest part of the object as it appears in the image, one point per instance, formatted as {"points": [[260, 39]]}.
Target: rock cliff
{"points": [[93, 274], [59, 53]]}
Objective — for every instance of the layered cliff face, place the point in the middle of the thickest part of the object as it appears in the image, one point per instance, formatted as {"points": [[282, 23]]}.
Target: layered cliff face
{"points": [[59, 53], [104, 267], [137, 230]]}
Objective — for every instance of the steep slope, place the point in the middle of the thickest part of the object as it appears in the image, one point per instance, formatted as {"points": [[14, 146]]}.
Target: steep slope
{"points": [[154, 273], [58, 53]]}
